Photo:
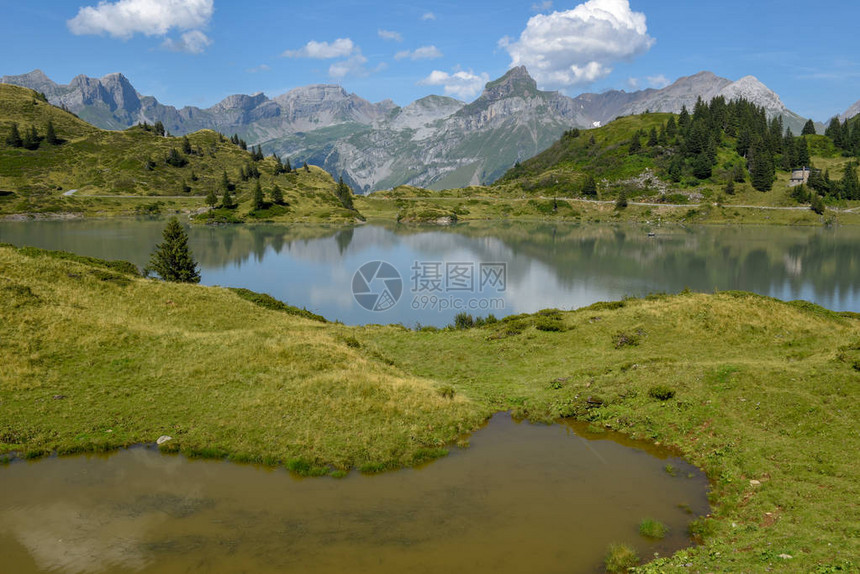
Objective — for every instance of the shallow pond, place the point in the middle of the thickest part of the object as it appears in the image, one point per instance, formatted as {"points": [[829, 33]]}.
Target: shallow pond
{"points": [[544, 265], [522, 498]]}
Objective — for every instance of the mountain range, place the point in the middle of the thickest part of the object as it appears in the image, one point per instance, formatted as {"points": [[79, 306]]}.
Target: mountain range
{"points": [[436, 142]]}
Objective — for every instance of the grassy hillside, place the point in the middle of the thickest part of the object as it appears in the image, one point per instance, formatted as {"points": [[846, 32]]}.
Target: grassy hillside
{"points": [[128, 172], [97, 358]]}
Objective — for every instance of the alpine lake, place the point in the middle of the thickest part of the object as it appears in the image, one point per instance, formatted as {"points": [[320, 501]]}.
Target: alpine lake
{"points": [[522, 498]]}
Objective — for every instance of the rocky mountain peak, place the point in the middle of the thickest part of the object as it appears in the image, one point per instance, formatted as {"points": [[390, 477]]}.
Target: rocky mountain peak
{"points": [[516, 82], [851, 112], [750, 88], [35, 80]]}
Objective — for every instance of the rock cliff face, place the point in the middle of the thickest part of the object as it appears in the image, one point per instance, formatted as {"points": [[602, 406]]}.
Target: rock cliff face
{"points": [[433, 142], [851, 112]]}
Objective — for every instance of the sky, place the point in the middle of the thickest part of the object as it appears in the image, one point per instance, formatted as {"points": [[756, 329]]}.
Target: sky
{"points": [[197, 52]]}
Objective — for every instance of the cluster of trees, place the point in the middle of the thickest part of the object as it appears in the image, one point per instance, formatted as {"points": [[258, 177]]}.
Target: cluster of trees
{"points": [[846, 188], [281, 167], [845, 136], [157, 128], [30, 139], [691, 143], [258, 197]]}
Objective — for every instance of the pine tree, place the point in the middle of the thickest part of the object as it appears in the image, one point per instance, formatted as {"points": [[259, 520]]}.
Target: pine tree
{"points": [[730, 187], [51, 135], [225, 182], [808, 128], [158, 128], [635, 145], [211, 198], [227, 200], [671, 127], [817, 204], [287, 167], [14, 137], [176, 159], [259, 202], [761, 167], [589, 187], [307, 169], [186, 146], [621, 202], [344, 194], [850, 185], [277, 195], [172, 259], [653, 139], [31, 139]]}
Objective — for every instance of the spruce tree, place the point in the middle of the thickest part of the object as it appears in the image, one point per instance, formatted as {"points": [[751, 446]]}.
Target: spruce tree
{"points": [[621, 202], [287, 167], [172, 259], [227, 200], [31, 139], [186, 146], [51, 134], [344, 194], [307, 168], [259, 202], [14, 137], [211, 198], [589, 187], [277, 195], [808, 128]]}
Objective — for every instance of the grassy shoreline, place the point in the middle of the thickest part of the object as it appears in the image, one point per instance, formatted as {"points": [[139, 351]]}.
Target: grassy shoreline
{"points": [[759, 393]]}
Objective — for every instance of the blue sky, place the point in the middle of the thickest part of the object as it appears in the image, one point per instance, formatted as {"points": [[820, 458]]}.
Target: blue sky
{"points": [[196, 52]]}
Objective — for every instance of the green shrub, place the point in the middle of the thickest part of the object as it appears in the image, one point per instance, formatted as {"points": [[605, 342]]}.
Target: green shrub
{"points": [[661, 392], [463, 321], [620, 558], [651, 528]]}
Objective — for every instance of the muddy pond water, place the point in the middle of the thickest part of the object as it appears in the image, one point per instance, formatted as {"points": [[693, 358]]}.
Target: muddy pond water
{"points": [[522, 498]]}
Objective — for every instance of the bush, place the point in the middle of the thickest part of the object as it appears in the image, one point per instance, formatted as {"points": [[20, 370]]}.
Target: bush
{"points": [[620, 557], [651, 528], [463, 321], [661, 392], [447, 392], [622, 339]]}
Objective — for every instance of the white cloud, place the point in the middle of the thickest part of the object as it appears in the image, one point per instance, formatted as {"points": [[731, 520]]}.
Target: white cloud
{"points": [[579, 46], [260, 68], [193, 42], [340, 48], [390, 35], [542, 7], [461, 84], [658, 82], [422, 53], [125, 18], [428, 16], [352, 66], [633, 83]]}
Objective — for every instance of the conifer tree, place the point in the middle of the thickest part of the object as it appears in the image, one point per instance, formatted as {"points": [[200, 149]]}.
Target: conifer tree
{"points": [[51, 135], [31, 139], [186, 146], [227, 200], [211, 198], [589, 187], [287, 167], [307, 168], [344, 194], [172, 259], [808, 128], [277, 195], [14, 137], [259, 202], [159, 128]]}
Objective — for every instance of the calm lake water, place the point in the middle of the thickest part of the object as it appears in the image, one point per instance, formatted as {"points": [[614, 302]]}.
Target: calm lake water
{"points": [[522, 498], [500, 268]]}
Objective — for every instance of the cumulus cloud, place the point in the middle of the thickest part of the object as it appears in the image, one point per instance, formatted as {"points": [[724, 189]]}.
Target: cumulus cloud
{"points": [[659, 81], [193, 42], [461, 84], [428, 16], [125, 18], [579, 46], [390, 35], [340, 48], [422, 53]]}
